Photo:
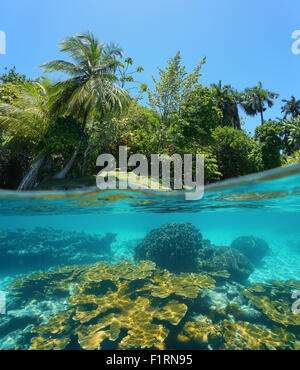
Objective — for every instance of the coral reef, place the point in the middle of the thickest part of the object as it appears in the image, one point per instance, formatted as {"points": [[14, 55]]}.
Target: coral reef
{"points": [[235, 335], [25, 250], [139, 306], [216, 259], [253, 248], [274, 300], [180, 248], [180, 292], [174, 247], [102, 302]]}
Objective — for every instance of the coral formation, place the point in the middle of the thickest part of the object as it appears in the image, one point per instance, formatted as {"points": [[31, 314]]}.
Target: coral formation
{"points": [[201, 302], [216, 259], [274, 300], [106, 300], [239, 335], [132, 306], [174, 247], [180, 248], [25, 250], [253, 248]]}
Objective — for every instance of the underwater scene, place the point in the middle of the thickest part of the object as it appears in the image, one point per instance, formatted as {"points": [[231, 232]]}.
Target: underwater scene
{"points": [[143, 270]]}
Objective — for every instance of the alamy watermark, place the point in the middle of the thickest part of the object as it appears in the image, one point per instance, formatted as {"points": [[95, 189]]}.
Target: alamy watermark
{"points": [[155, 175], [2, 42], [2, 303], [296, 43], [296, 304]]}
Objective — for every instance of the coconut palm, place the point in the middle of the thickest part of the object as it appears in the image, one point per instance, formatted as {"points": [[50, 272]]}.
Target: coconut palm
{"points": [[227, 99], [291, 107], [254, 100], [91, 88], [28, 116]]}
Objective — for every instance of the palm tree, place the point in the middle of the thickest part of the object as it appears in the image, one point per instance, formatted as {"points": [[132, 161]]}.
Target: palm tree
{"points": [[227, 99], [292, 107], [91, 88], [254, 99], [28, 116]]}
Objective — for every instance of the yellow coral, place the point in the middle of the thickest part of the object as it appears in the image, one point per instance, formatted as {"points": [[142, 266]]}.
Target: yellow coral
{"points": [[108, 298], [238, 335], [243, 335], [274, 300], [39, 343], [163, 284], [201, 332]]}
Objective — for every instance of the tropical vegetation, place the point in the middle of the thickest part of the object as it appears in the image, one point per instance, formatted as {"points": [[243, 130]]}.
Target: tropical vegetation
{"points": [[54, 130]]}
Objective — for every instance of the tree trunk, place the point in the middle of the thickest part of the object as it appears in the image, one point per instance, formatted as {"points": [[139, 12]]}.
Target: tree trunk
{"points": [[85, 157], [237, 121], [262, 117], [29, 179], [63, 173]]}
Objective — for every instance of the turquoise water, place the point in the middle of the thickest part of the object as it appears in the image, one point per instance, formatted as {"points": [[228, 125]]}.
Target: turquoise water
{"points": [[265, 206]]}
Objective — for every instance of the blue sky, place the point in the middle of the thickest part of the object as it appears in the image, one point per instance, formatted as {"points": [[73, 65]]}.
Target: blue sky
{"points": [[245, 41]]}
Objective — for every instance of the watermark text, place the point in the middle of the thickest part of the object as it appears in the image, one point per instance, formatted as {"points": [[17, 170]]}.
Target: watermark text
{"points": [[296, 304], [296, 43], [156, 175], [2, 303], [2, 42]]}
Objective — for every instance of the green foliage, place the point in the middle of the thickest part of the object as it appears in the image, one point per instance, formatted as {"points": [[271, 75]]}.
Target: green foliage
{"points": [[200, 112], [126, 75], [173, 87], [61, 140], [24, 121], [12, 77], [62, 135], [28, 116], [291, 129], [137, 129], [237, 154], [16, 152], [9, 92], [227, 101], [270, 137], [211, 168], [289, 160], [90, 113]]}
